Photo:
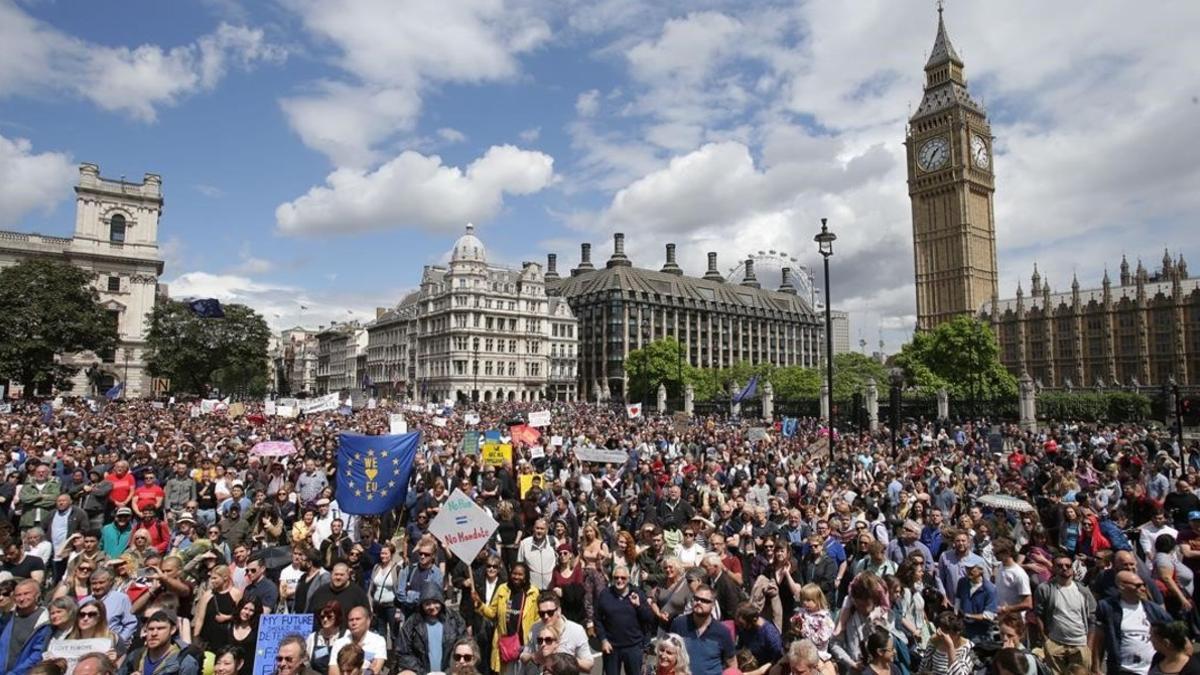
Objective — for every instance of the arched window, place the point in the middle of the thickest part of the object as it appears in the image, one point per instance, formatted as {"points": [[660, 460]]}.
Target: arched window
{"points": [[116, 229]]}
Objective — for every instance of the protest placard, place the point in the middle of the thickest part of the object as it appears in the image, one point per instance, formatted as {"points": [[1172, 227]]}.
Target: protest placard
{"points": [[601, 455], [471, 418], [286, 411], [682, 420], [73, 650], [439, 421], [497, 454], [470, 443], [463, 526], [271, 629], [269, 408], [756, 434], [324, 403], [556, 441], [536, 452], [397, 425], [539, 418]]}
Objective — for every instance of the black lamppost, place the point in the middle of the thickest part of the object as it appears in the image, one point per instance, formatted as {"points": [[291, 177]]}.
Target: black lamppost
{"points": [[897, 381], [825, 241], [475, 387]]}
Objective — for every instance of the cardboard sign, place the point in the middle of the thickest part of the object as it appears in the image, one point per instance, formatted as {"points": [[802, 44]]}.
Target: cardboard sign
{"points": [[5, 408], [439, 421], [470, 443], [682, 421], [601, 455], [397, 425], [757, 434], [286, 411], [237, 410], [540, 418], [556, 441], [497, 454], [372, 403], [269, 408], [73, 650], [536, 452], [524, 482], [463, 526], [471, 419], [272, 628]]}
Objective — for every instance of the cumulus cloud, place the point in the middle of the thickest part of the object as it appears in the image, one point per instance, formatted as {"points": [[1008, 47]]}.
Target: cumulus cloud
{"points": [[31, 181], [416, 190], [390, 54], [37, 58], [451, 135]]}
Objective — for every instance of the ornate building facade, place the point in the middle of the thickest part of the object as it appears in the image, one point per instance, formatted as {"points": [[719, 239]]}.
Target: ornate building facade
{"points": [[476, 331], [951, 186], [1143, 331], [116, 239], [621, 308]]}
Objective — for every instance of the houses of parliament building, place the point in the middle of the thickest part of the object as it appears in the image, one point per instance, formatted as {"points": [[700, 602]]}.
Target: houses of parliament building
{"points": [[1143, 331]]}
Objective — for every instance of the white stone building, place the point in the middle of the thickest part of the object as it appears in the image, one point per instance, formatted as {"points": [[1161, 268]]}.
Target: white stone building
{"points": [[116, 239], [476, 331], [296, 362]]}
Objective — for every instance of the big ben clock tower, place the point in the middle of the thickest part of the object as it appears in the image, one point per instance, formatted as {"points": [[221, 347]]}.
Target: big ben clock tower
{"points": [[951, 185]]}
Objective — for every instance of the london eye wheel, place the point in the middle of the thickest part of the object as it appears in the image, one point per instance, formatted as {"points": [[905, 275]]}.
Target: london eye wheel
{"points": [[768, 269]]}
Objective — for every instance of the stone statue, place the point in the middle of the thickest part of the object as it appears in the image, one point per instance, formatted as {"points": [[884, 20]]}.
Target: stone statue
{"points": [[662, 398], [1068, 384]]}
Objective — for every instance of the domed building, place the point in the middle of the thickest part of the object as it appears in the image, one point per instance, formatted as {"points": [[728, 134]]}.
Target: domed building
{"points": [[476, 332]]}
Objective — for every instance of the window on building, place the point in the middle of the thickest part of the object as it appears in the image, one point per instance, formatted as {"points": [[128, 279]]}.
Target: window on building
{"points": [[116, 229], [110, 355], [512, 369], [114, 284], [487, 367]]}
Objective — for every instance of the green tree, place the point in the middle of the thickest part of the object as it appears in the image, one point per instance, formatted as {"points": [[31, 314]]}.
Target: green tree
{"points": [[50, 308], [850, 373], [794, 383], [195, 352], [961, 355], [657, 363]]}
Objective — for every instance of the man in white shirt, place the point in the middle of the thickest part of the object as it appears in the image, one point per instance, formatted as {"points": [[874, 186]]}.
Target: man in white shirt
{"points": [[291, 574], [1013, 591], [1151, 530], [538, 553], [358, 620], [572, 638]]}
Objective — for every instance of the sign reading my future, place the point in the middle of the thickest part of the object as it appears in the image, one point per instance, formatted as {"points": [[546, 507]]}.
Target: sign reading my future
{"points": [[463, 526]]}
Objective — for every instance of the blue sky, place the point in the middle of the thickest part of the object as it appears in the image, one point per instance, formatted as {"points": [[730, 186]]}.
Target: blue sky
{"points": [[319, 152]]}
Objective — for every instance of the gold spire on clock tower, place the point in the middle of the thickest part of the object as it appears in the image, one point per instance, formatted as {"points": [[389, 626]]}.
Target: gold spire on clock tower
{"points": [[951, 185]]}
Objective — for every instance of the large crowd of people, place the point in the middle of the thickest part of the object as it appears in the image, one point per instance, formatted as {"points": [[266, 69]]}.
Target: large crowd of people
{"points": [[152, 532]]}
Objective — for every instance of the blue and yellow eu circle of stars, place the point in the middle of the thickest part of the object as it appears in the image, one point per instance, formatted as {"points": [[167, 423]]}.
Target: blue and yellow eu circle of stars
{"points": [[371, 468]]}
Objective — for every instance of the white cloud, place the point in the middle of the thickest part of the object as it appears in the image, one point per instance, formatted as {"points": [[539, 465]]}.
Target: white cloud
{"points": [[416, 190], [451, 135], [36, 58], [530, 135], [391, 53], [587, 103], [31, 181]]}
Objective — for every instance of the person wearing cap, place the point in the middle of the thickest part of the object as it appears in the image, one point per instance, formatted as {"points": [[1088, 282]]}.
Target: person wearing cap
{"points": [[185, 532], [234, 528], [975, 599], [908, 542], [237, 496], [115, 536]]}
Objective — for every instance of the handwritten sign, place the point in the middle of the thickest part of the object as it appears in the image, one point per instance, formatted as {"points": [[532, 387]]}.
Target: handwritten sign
{"points": [[471, 419], [540, 418], [682, 421], [397, 425], [286, 411], [73, 650], [757, 434], [463, 526], [269, 408], [439, 421], [470, 443], [601, 455], [271, 629], [536, 452], [497, 454], [556, 440]]}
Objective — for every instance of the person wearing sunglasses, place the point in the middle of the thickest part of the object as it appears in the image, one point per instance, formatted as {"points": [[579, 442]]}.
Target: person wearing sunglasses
{"points": [[621, 613], [427, 640], [465, 657], [569, 636], [1124, 623], [709, 644]]}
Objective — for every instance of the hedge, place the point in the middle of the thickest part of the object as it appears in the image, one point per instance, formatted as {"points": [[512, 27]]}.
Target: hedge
{"points": [[1090, 406]]}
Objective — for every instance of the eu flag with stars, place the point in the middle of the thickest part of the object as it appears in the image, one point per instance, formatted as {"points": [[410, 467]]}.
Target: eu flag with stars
{"points": [[373, 471]]}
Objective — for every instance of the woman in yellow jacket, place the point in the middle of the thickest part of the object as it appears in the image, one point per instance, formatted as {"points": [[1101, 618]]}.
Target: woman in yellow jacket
{"points": [[509, 613]]}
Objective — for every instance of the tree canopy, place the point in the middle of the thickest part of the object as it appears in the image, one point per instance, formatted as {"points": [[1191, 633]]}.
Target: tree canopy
{"points": [[657, 362], [197, 353], [50, 308], [961, 355]]}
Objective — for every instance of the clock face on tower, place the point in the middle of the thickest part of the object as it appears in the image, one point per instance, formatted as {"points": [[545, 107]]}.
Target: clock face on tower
{"points": [[979, 152], [933, 154]]}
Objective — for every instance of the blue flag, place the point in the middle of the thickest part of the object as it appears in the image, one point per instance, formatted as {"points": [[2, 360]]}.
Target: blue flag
{"points": [[751, 387], [47, 412], [367, 382], [116, 391], [207, 308], [373, 471], [789, 427]]}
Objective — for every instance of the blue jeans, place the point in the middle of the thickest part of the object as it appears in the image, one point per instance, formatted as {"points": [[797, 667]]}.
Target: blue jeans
{"points": [[630, 657]]}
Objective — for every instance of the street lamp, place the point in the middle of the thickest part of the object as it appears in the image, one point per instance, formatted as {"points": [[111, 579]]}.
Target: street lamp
{"points": [[897, 380], [825, 241], [475, 388]]}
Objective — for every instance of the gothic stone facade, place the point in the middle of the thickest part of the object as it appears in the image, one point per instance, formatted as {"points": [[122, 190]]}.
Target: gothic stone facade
{"points": [[621, 308], [951, 186], [1144, 331], [116, 239]]}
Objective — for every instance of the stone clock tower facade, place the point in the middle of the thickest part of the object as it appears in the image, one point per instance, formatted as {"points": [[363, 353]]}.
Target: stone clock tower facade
{"points": [[951, 185]]}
